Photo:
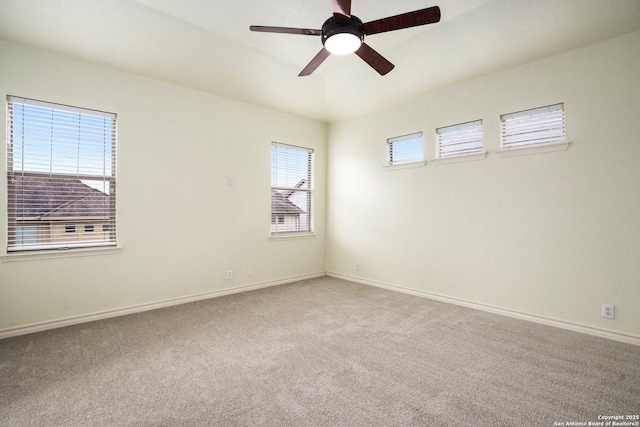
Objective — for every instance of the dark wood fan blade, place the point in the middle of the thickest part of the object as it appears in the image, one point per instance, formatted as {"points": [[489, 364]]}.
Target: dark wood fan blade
{"points": [[341, 11], [374, 59], [286, 30], [405, 20], [315, 62]]}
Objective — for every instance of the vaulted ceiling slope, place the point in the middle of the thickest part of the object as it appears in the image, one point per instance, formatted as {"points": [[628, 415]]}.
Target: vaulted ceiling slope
{"points": [[207, 45]]}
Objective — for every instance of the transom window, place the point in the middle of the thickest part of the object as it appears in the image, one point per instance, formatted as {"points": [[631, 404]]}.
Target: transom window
{"points": [[61, 174], [291, 189], [536, 127], [459, 140], [405, 149]]}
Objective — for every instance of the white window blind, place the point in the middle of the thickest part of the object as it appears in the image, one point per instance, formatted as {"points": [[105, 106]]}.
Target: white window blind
{"points": [[534, 127], [61, 176], [405, 149], [458, 140], [291, 189]]}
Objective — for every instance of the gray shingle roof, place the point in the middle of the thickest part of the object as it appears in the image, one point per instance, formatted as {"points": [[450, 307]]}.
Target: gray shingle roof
{"points": [[58, 197], [281, 205]]}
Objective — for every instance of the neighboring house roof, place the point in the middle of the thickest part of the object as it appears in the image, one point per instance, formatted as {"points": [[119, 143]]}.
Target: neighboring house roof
{"points": [[281, 205], [38, 197]]}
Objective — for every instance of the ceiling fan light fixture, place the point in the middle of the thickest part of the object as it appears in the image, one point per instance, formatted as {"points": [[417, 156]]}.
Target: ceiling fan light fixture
{"points": [[342, 39], [343, 43], [344, 33]]}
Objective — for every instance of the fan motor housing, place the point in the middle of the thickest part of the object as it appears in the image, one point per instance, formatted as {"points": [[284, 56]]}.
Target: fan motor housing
{"points": [[331, 28]]}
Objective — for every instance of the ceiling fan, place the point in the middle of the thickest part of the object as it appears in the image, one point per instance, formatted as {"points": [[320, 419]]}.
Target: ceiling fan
{"points": [[344, 33]]}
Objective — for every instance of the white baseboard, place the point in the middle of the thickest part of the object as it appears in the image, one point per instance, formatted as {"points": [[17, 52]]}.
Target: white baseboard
{"points": [[43, 326], [612, 335]]}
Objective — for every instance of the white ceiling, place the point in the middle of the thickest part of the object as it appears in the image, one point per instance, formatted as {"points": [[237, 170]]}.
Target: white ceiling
{"points": [[207, 45]]}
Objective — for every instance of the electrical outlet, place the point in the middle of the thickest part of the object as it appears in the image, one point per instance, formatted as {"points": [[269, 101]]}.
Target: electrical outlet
{"points": [[250, 271], [609, 311], [358, 266], [230, 181], [229, 274]]}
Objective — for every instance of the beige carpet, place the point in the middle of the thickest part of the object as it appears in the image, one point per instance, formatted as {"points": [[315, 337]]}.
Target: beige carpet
{"points": [[322, 352]]}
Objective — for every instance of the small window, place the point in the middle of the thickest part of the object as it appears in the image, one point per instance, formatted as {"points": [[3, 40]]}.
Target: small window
{"points": [[536, 127], [279, 218], [88, 228], [459, 140], [69, 228], [405, 149]]}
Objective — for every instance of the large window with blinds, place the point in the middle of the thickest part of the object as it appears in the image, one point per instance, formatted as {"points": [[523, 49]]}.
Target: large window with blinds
{"points": [[459, 140], [291, 189], [405, 149], [532, 128], [61, 176]]}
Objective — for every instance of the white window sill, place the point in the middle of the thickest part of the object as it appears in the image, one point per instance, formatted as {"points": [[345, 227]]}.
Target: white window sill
{"points": [[405, 165], [460, 158], [542, 148], [60, 253], [291, 236]]}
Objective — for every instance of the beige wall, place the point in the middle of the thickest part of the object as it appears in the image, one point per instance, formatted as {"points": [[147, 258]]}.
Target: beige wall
{"points": [[552, 235], [180, 226]]}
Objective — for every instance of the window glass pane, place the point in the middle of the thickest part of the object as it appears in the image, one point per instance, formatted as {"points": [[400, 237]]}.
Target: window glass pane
{"points": [[457, 140], [406, 149], [61, 175], [291, 189], [544, 125], [51, 140], [26, 235], [291, 167]]}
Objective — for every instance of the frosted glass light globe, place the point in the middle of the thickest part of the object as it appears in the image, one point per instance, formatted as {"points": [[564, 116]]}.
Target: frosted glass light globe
{"points": [[342, 43]]}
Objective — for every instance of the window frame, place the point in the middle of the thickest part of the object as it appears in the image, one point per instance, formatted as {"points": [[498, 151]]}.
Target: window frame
{"points": [[417, 161], [535, 118], [462, 133], [277, 218], [108, 177]]}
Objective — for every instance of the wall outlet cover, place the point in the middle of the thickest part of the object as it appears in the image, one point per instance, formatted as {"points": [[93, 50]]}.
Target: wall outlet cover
{"points": [[608, 311]]}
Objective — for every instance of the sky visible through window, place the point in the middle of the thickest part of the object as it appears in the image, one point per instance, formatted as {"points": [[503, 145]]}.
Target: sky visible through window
{"points": [[62, 142], [405, 149], [290, 166]]}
